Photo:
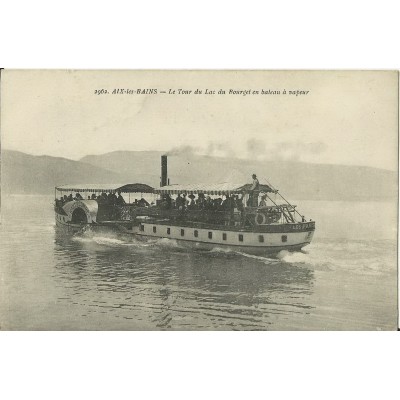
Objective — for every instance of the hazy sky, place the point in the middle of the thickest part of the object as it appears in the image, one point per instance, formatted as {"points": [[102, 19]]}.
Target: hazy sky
{"points": [[347, 117]]}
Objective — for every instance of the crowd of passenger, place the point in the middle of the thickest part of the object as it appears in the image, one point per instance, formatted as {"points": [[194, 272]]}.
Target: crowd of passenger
{"points": [[202, 202], [182, 202], [110, 198]]}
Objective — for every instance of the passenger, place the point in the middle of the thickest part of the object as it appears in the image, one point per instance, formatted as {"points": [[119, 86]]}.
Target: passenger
{"points": [[239, 203], [102, 198], [208, 204], [110, 198], [120, 200], [181, 199], [78, 196], [143, 203], [217, 203], [263, 202], [254, 187], [93, 196], [223, 204], [65, 199], [70, 198], [230, 203], [192, 203], [200, 201], [185, 201], [168, 201], [227, 205], [113, 198], [256, 183], [178, 201]]}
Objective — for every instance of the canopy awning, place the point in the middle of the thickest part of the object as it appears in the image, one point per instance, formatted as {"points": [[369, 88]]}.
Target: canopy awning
{"points": [[211, 189], [105, 187]]}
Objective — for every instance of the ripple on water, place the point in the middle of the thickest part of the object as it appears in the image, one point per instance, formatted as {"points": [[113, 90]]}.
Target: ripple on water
{"points": [[97, 281]]}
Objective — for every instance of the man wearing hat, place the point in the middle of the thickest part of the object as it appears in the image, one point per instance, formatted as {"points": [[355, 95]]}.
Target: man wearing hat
{"points": [[120, 200], [253, 195], [256, 184]]}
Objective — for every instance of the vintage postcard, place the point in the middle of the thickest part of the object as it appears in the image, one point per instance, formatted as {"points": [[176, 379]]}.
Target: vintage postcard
{"points": [[199, 200]]}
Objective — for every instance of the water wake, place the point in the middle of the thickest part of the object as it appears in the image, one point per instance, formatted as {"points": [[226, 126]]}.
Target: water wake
{"points": [[293, 257], [167, 243], [107, 239], [359, 257], [222, 250], [101, 240], [265, 260]]}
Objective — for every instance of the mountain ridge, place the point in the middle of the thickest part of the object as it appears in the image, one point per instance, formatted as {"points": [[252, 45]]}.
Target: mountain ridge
{"points": [[297, 179], [23, 173]]}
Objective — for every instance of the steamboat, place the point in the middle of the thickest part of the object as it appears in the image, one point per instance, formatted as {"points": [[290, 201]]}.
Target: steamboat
{"points": [[239, 217]]}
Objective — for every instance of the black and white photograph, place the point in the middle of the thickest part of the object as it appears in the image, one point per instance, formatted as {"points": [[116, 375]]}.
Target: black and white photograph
{"points": [[194, 200]]}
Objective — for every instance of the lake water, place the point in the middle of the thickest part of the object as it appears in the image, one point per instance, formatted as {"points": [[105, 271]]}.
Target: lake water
{"points": [[346, 279]]}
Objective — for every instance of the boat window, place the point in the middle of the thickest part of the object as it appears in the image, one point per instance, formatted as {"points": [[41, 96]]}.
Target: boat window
{"points": [[284, 238], [261, 238], [168, 231], [196, 233], [210, 235], [154, 229], [182, 232], [240, 238], [142, 228], [224, 236]]}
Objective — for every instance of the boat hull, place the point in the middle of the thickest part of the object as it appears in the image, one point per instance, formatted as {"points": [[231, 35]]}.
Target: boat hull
{"points": [[232, 240], [264, 250], [68, 227], [291, 237]]}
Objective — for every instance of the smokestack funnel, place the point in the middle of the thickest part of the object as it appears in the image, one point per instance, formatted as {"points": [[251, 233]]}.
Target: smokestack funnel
{"points": [[164, 170]]}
